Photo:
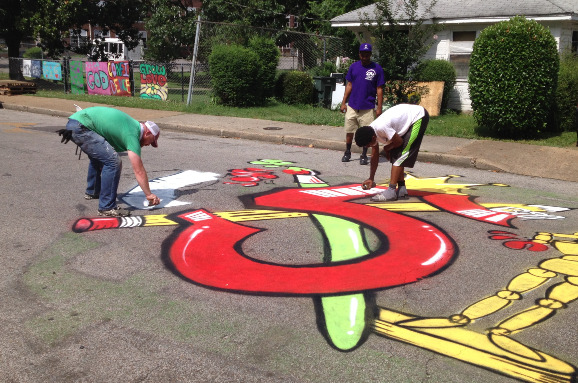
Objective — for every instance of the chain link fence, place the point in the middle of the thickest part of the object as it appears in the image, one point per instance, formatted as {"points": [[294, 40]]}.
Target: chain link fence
{"points": [[313, 53]]}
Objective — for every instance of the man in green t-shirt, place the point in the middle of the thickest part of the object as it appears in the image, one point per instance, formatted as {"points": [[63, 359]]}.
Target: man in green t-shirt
{"points": [[102, 133]]}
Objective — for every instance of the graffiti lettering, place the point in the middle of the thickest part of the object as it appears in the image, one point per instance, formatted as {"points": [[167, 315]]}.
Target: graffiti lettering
{"points": [[153, 69], [403, 263], [267, 163], [512, 241], [118, 69], [118, 72], [153, 81], [249, 176], [97, 80], [343, 285]]}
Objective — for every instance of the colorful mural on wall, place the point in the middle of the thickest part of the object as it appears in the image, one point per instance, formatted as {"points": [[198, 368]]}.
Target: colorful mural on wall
{"points": [[96, 74], [36, 68], [76, 77], [108, 78], [52, 70], [153, 80], [27, 68], [343, 284], [119, 77]]}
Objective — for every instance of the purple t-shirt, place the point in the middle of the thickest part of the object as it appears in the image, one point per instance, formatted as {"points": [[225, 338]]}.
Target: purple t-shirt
{"points": [[364, 81]]}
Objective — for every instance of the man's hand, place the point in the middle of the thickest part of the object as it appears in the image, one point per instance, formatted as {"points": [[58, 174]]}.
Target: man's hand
{"points": [[343, 108], [153, 199], [368, 184], [66, 135]]}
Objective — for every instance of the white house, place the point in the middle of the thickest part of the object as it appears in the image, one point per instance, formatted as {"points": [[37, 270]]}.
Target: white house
{"points": [[463, 20]]}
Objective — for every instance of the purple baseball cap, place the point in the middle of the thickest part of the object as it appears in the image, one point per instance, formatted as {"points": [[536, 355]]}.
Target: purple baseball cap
{"points": [[365, 47]]}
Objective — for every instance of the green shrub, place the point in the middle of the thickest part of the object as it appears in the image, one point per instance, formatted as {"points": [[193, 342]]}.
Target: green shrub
{"points": [[298, 88], [567, 95], [513, 79], [280, 85], [235, 75], [268, 54], [325, 69], [33, 53], [438, 70]]}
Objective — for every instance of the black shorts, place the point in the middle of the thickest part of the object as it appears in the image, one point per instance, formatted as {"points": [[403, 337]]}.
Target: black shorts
{"points": [[406, 154]]}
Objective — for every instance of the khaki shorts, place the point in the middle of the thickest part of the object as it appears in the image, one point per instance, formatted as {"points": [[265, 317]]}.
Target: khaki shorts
{"points": [[354, 119]]}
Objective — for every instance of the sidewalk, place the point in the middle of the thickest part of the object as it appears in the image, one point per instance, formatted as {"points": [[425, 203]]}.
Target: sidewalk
{"points": [[529, 160]]}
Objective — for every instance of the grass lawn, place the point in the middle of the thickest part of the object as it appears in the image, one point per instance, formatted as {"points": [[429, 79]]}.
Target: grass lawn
{"points": [[449, 125]]}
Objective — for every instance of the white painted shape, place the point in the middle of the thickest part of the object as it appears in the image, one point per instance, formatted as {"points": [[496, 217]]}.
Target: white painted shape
{"points": [[165, 187]]}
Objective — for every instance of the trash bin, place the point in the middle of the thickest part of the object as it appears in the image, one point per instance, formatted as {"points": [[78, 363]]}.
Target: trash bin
{"points": [[324, 87]]}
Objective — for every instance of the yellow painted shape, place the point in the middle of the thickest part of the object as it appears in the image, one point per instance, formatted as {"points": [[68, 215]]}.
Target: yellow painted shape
{"points": [[514, 347], [569, 248], [432, 323], [474, 348], [564, 292], [526, 319], [560, 235], [256, 215], [437, 184], [562, 266], [527, 281], [486, 307], [405, 206], [158, 220], [514, 205]]}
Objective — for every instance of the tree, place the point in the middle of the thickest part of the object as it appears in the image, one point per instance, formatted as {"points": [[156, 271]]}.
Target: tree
{"points": [[402, 38], [513, 79], [15, 25], [50, 21], [321, 12], [257, 13], [54, 20], [172, 27]]}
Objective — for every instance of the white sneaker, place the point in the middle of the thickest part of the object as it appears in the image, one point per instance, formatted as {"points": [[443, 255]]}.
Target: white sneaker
{"points": [[387, 195], [402, 193]]}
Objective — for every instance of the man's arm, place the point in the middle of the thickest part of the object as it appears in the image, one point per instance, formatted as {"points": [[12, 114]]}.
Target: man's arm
{"points": [[396, 141], [370, 183], [348, 89], [379, 101], [142, 178]]}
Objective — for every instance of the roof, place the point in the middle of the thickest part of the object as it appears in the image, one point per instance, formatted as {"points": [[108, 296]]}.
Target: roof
{"points": [[452, 10]]}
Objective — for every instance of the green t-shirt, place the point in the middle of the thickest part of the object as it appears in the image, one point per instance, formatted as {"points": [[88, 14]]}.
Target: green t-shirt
{"points": [[119, 129]]}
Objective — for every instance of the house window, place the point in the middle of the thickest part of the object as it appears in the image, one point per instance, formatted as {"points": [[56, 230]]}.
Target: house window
{"points": [[76, 39], [292, 21], [142, 35], [461, 48], [101, 34], [575, 41], [464, 36]]}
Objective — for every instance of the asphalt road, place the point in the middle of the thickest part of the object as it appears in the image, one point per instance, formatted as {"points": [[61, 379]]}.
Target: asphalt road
{"points": [[118, 305]]}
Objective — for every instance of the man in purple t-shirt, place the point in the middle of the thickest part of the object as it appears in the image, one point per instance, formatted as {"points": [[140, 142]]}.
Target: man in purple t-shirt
{"points": [[365, 80]]}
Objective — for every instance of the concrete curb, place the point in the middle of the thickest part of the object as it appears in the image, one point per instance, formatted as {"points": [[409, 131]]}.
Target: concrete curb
{"points": [[33, 109], [459, 161], [438, 158]]}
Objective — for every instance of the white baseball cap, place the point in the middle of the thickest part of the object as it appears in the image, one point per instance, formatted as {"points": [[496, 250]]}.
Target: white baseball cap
{"points": [[155, 130]]}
